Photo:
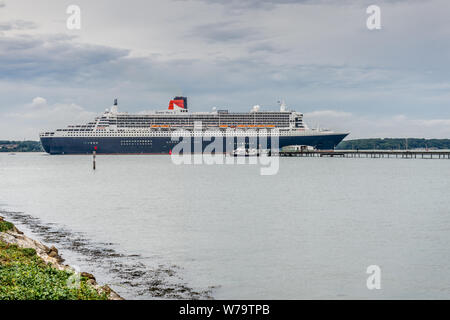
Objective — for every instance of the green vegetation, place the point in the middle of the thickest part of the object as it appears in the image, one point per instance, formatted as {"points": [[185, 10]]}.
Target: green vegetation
{"points": [[20, 146], [5, 226], [25, 276], [394, 143]]}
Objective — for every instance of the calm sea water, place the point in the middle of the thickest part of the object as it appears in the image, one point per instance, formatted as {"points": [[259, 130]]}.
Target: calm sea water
{"points": [[154, 229]]}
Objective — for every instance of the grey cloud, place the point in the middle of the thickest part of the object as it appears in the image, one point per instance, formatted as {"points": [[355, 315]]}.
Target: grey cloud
{"points": [[17, 25], [224, 32], [256, 3], [56, 57], [261, 3], [238, 6], [64, 65], [265, 47]]}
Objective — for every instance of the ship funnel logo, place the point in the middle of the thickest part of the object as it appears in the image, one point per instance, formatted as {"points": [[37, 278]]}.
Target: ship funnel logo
{"points": [[178, 103]]}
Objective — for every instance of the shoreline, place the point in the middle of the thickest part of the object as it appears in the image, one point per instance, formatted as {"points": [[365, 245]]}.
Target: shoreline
{"points": [[19, 250]]}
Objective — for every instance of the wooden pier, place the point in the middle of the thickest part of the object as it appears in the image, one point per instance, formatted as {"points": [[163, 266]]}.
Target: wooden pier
{"points": [[405, 154]]}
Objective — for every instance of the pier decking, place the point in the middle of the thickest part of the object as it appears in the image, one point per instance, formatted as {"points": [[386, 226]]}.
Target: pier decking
{"points": [[406, 154]]}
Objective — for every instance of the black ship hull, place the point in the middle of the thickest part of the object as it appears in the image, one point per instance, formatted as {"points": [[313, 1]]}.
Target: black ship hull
{"points": [[165, 145]]}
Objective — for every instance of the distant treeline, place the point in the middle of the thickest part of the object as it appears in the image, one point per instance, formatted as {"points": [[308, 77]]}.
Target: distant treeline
{"points": [[394, 143], [20, 146]]}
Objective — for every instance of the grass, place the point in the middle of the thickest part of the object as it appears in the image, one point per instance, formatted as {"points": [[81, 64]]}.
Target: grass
{"points": [[25, 276], [5, 226]]}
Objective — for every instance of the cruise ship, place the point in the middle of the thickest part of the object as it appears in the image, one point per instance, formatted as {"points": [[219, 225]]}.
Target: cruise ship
{"points": [[117, 132]]}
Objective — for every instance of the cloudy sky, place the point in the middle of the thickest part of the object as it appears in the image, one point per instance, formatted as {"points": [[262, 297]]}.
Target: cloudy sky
{"points": [[318, 56]]}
